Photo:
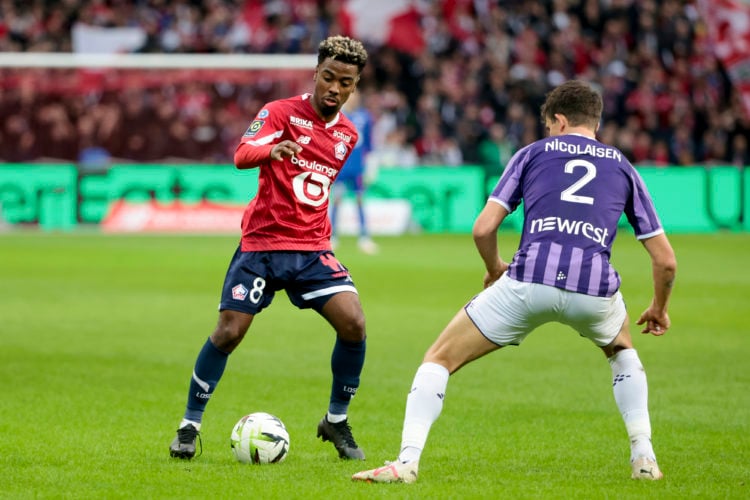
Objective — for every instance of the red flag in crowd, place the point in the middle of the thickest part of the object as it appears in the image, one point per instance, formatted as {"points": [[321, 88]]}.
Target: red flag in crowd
{"points": [[728, 25], [393, 22]]}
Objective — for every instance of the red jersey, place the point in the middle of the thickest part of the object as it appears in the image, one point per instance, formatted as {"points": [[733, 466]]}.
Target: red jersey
{"points": [[290, 211]]}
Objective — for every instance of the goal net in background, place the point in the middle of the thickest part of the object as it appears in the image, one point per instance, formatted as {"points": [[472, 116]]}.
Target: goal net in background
{"points": [[124, 108]]}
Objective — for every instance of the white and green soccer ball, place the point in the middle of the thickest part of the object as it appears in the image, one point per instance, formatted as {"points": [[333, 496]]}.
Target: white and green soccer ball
{"points": [[260, 438]]}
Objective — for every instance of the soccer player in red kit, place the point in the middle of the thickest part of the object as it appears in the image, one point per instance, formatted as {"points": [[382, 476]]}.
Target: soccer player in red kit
{"points": [[300, 145]]}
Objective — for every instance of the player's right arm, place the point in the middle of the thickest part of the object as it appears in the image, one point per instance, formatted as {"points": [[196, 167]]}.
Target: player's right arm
{"points": [[485, 238], [261, 143], [664, 269], [252, 156]]}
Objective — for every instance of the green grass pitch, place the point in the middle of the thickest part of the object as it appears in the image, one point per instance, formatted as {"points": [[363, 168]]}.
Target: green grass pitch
{"points": [[98, 335]]}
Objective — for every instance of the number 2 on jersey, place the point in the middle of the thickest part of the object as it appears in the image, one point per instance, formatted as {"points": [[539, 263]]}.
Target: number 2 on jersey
{"points": [[570, 193]]}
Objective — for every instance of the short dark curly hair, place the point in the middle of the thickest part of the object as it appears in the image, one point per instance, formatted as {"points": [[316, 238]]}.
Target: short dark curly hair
{"points": [[580, 103], [344, 49]]}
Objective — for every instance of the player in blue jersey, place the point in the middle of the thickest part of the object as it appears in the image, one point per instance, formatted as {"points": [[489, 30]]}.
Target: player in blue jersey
{"points": [[352, 177], [574, 190]]}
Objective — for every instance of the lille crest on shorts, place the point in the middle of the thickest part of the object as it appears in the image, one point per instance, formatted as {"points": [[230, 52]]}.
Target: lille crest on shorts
{"points": [[239, 292]]}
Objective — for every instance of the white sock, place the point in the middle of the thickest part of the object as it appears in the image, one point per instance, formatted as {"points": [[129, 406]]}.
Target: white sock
{"points": [[334, 418], [631, 395], [423, 407], [185, 422]]}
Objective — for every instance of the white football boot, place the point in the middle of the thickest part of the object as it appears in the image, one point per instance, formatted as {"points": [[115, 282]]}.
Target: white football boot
{"points": [[391, 472], [646, 468]]}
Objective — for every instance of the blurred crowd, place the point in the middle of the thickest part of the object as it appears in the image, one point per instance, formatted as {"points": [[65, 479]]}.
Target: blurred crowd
{"points": [[467, 92]]}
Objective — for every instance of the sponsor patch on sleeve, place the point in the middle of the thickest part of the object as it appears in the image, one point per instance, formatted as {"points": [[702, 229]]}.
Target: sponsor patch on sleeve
{"points": [[254, 127]]}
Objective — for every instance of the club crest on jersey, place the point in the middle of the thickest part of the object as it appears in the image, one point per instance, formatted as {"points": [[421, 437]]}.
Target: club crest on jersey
{"points": [[340, 150], [254, 127], [300, 122], [304, 139], [239, 292]]}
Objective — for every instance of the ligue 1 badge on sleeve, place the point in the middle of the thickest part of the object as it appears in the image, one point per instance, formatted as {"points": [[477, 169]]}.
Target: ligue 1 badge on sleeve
{"points": [[254, 127]]}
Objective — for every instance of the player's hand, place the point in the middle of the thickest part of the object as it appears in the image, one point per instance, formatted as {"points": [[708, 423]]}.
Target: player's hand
{"points": [[285, 148], [494, 274], [656, 322]]}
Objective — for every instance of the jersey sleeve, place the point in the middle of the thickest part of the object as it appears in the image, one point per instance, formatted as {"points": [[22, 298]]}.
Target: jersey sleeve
{"points": [[640, 210], [265, 131], [508, 192]]}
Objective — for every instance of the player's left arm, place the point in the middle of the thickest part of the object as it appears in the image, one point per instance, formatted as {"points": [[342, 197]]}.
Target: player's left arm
{"points": [[664, 268], [485, 238], [641, 214]]}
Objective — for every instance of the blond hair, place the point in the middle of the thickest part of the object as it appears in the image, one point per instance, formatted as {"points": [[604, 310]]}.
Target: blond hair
{"points": [[344, 49]]}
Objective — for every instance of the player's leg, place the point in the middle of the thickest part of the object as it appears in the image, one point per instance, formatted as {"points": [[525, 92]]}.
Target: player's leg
{"points": [[324, 284], [605, 321], [630, 388], [344, 312], [361, 218], [503, 314], [460, 343], [208, 369], [364, 242], [212, 359], [338, 193], [237, 309]]}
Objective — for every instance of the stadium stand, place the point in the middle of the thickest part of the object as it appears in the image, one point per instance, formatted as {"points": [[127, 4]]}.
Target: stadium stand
{"points": [[459, 85]]}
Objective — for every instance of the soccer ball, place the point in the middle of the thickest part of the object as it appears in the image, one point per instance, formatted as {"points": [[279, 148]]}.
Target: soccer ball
{"points": [[260, 438]]}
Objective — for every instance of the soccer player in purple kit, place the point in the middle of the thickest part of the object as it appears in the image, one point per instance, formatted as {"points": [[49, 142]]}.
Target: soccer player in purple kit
{"points": [[574, 190], [300, 145]]}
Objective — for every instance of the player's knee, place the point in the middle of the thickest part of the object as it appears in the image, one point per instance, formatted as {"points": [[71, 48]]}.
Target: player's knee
{"points": [[353, 330], [227, 336], [442, 356]]}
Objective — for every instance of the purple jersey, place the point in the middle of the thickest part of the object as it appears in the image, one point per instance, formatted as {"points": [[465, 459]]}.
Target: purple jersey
{"points": [[574, 190]]}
